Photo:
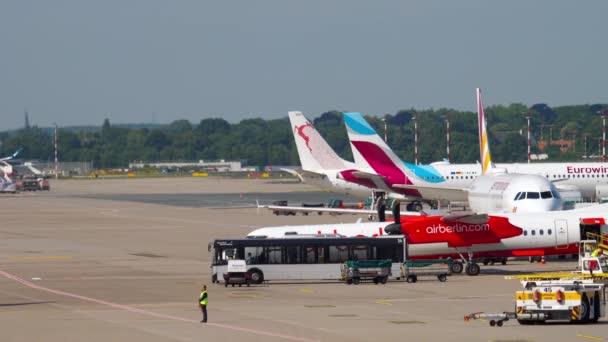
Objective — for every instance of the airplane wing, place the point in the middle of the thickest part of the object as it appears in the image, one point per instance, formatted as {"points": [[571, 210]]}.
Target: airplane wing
{"points": [[466, 218], [336, 211], [436, 192]]}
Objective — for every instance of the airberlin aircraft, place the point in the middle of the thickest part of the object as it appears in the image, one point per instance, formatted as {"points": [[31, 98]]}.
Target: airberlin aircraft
{"points": [[466, 236]]}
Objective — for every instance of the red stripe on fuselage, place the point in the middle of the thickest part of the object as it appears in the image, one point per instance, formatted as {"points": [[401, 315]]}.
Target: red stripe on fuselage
{"points": [[431, 229]]}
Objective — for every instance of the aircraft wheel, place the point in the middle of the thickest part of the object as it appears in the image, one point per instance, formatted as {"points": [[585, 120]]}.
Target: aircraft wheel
{"points": [[504, 261], [417, 206], [472, 269], [456, 267]]}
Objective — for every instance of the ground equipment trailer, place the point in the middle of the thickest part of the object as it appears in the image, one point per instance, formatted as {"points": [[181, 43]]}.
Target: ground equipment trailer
{"points": [[439, 268], [376, 270]]}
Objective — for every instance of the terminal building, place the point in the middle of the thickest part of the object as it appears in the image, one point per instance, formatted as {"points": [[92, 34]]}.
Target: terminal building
{"points": [[201, 165]]}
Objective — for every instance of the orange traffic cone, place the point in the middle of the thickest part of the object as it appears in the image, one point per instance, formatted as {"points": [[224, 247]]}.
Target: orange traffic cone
{"points": [[542, 260]]}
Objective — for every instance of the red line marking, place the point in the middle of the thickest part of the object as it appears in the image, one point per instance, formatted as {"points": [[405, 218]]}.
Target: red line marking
{"points": [[153, 314]]}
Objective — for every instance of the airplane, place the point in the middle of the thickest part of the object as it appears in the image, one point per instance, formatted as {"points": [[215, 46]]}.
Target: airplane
{"points": [[485, 235], [12, 156], [492, 191], [320, 163]]}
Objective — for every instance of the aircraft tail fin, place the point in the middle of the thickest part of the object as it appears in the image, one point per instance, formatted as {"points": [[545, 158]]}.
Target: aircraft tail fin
{"points": [[371, 151], [314, 152], [484, 144]]}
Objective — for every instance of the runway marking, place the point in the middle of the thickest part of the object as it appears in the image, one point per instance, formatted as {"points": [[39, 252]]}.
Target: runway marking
{"points": [[342, 315], [307, 291], [154, 314], [40, 257], [590, 337], [383, 303], [320, 306]]}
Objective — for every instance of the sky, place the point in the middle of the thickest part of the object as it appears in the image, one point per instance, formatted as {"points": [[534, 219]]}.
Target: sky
{"points": [[132, 61]]}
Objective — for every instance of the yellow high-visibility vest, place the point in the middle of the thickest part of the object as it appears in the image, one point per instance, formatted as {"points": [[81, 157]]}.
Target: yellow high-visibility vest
{"points": [[201, 300]]}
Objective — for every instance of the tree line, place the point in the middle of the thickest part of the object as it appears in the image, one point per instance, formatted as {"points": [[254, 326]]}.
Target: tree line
{"points": [[270, 142]]}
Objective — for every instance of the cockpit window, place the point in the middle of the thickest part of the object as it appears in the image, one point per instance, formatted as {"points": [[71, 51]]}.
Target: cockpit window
{"points": [[546, 194], [532, 195], [518, 196]]}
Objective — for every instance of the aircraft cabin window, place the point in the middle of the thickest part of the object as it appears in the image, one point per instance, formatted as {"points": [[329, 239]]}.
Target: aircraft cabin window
{"points": [[533, 195], [525, 233], [549, 231], [533, 232], [541, 232], [546, 194]]}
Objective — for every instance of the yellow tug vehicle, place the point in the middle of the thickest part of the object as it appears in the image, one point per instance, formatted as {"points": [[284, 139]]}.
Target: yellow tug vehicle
{"points": [[578, 297]]}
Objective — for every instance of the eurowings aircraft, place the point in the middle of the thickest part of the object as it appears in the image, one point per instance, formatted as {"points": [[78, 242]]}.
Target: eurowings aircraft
{"points": [[493, 191], [465, 236]]}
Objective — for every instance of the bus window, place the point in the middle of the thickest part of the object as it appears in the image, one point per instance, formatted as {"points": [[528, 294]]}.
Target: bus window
{"points": [[321, 258], [275, 255], [338, 254], [293, 255], [310, 256], [253, 255], [358, 253]]}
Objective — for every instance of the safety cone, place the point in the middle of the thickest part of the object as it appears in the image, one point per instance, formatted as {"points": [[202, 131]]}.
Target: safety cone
{"points": [[542, 260]]}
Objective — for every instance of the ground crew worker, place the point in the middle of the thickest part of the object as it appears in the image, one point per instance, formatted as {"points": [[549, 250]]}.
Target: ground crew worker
{"points": [[203, 299], [596, 253]]}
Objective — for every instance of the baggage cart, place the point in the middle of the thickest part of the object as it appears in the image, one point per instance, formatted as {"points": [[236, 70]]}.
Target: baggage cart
{"points": [[378, 271], [439, 268]]}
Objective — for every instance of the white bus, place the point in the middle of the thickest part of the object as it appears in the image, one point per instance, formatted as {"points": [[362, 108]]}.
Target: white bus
{"points": [[304, 257]]}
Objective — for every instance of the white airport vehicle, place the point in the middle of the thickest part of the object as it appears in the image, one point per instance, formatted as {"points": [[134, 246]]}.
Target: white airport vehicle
{"points": [[303, 257]]}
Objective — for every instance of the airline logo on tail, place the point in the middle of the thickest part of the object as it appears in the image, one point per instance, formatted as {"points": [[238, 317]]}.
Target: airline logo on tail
{"points": [[314, 152], [484, 147]]}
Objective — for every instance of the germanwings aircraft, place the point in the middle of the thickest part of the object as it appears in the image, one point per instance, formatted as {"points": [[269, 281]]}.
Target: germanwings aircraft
{"points": [[12, 156], [495, 235], [493, 191]]}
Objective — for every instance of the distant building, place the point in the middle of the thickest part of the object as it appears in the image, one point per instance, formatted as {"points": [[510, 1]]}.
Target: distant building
{"points": [[201, 165]]}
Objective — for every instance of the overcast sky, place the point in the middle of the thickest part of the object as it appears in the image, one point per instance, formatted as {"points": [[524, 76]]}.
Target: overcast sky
{"points": [[78, 62]]}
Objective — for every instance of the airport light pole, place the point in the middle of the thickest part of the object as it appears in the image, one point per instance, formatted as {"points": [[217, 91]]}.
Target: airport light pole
{"points": [[528, 115], [415, 138], [447, 135], [604, 113], [56, 159], [385, 134]]}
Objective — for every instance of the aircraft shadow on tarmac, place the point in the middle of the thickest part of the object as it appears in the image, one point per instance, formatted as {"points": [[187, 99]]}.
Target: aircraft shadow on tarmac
{"points": [[23, 303]]}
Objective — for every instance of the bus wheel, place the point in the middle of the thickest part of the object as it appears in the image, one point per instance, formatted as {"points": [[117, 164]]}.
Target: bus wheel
{"points": [[349, 281], [456, 267], [256, 275], [376, 281], [226, 284], [356, 281], [442, 277], [384, 280]]}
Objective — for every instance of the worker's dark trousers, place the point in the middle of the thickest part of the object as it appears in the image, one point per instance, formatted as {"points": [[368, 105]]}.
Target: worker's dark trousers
{"points": [[204, 309]]}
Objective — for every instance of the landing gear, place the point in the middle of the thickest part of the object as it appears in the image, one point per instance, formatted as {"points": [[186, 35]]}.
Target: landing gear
{"points": [[457, 267], [472, 269], [414, 206]]}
